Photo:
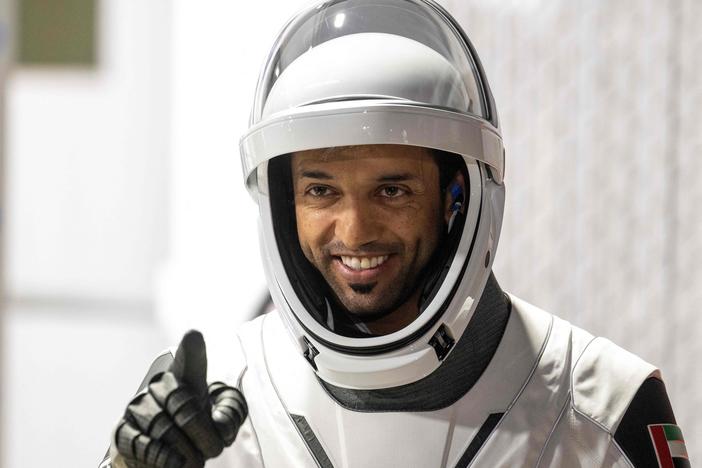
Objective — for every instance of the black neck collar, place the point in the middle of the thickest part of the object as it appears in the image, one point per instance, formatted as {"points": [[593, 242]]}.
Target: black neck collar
{"points": [[454, 378]]}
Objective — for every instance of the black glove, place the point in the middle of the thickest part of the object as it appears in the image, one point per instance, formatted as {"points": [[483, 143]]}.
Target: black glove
{"points": [[180, 422]]}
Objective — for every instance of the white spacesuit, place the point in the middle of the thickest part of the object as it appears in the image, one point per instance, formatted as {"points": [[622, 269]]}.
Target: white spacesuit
{"points": [[375, 156], [540, 401]]}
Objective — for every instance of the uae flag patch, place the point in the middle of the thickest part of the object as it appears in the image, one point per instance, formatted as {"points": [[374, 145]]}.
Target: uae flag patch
{"points": [[669, 445]]}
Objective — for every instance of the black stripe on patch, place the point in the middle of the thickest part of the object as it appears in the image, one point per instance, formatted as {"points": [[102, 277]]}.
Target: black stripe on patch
{"points": [[312, 442], [479, 439]]}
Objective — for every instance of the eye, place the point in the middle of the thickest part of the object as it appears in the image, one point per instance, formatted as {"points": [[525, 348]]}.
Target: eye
{"points": [[319, 191], [392, 191]]}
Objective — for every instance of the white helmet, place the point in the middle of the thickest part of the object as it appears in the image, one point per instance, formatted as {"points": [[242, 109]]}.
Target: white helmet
{"points": [[372, 72]]}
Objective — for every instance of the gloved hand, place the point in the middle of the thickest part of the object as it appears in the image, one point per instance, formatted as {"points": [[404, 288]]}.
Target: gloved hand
{"points": [[180, 422]]}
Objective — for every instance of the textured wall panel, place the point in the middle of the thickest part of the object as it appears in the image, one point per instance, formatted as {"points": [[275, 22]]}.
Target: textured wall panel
{"points": [[601, 109]]}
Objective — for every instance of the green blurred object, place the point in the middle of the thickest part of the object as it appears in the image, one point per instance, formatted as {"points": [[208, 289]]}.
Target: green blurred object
{"points": [[57, 32]]}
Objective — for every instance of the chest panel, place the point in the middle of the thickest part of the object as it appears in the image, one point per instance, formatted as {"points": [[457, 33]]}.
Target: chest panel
{"points": [[409, 439]]}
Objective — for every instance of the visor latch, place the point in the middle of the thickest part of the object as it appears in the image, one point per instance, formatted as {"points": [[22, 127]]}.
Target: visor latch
{"points": [[310, 353], [442, 342]]}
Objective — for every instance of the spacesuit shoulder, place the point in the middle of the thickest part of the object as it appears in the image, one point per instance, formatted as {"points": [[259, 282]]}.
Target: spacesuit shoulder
{"points": [[226, 357], [605, 378], [578, 394]]}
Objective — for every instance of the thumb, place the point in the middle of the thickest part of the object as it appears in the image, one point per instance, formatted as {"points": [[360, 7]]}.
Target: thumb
{"points": [[190, 363]]}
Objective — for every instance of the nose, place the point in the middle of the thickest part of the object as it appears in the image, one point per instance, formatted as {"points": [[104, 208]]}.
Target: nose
{"points": [[357, 224]]}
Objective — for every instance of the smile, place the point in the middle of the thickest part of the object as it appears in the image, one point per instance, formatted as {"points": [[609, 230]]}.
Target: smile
{"points": [[363, 263]]}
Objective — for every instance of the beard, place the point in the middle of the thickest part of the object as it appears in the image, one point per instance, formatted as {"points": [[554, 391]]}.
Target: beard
{"points": [[376, 299]]}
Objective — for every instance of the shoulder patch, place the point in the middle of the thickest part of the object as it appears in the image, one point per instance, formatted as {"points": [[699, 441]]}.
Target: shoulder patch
{"points": [[669, 445], [647, 427]]}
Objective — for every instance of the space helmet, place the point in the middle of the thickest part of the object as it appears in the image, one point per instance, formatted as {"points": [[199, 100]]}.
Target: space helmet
{"points": [[368, 73]]}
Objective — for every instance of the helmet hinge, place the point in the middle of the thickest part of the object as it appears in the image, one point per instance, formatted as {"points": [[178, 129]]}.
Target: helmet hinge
{"points": [[310, 353], [442, 342]]}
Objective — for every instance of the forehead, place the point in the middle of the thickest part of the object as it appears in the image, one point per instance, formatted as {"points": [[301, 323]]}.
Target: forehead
{"points": [[365, 157]]}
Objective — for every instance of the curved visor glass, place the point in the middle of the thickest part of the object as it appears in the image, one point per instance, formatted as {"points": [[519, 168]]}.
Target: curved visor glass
{"points": [[352, 49], [366, 233]]}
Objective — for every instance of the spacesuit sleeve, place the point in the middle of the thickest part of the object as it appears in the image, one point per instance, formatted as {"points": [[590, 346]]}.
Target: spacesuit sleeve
{"points": [[648, 433], [160, 364]]}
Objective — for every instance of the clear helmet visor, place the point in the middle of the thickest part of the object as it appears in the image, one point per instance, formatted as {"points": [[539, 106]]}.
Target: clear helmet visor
{"points": [[367, 234], [415, 52]]}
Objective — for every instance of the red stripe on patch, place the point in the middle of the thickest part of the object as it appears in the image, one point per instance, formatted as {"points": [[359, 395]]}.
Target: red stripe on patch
{"points": [[661, 445]]}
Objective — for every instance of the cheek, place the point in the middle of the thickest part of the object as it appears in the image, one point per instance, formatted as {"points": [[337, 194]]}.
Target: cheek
{"points": [[420, 229], [304, 229], [310, 231]]}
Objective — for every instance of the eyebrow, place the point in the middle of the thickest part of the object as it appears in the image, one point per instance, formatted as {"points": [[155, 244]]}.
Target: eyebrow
{"points": [[316, 175], [396, 177], [384, 178]]}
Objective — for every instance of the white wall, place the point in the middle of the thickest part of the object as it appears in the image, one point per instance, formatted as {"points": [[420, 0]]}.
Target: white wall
{"points": [[7, 8], [214, 276], [86, 220], [87, 166], [601, 104]]}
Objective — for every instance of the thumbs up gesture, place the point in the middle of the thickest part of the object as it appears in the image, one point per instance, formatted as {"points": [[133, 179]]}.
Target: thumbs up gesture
{"points": [[180, 421]]}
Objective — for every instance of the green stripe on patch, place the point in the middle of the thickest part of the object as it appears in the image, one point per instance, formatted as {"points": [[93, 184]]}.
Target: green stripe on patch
{"points": [[673, 432]]}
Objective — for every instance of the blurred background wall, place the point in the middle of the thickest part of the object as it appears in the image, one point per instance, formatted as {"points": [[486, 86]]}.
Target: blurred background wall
{"points": [[86, 139], [601, 108], [126, 220]]}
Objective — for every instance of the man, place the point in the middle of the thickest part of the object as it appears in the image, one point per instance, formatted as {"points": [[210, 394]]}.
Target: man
{"points": [[375, 157]]}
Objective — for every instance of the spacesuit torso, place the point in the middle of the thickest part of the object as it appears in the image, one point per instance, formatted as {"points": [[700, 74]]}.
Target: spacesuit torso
{"points": [[552, 395]]}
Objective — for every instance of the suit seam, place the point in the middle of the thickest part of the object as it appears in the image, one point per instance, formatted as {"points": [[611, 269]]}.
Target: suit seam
{"points": [[599, 426], [575, 366], [553, 429], [239, 385], [615, 424], [572, 380], [246, 363], [519, 393], [277, 393]]}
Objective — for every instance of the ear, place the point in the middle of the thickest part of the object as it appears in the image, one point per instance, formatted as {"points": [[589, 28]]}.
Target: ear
{"points": [[455, 193]]}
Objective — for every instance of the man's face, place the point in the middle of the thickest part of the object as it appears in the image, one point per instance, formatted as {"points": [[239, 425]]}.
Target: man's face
{"points": [[369, 219]]}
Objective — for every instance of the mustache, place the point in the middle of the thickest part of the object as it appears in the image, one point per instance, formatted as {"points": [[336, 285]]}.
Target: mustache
{"points": [[337, 248]]}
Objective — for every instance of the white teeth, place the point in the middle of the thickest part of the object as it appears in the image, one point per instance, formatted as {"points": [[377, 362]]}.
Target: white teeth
{"points": [[363, 263]]}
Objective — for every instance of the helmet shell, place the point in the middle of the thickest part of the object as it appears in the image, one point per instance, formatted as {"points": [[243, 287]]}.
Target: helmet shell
{"points": [[353, 72]]}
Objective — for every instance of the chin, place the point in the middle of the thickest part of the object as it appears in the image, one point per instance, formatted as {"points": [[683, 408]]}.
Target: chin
{"points": [[364, 308]]}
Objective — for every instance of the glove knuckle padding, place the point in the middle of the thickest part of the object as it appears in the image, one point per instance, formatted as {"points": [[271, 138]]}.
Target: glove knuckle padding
{"points": [[125, 438], [229, 410], [148, 415], [190, 414], [198, 425], [141, 451], [164, 424], [179, 422]]}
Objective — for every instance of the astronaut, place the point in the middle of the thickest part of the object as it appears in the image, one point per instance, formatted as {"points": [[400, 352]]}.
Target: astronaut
{"points": [[374, 154]]}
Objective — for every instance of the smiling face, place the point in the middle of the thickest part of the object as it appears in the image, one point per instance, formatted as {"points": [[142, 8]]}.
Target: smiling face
{"points": [[369, 219]]}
